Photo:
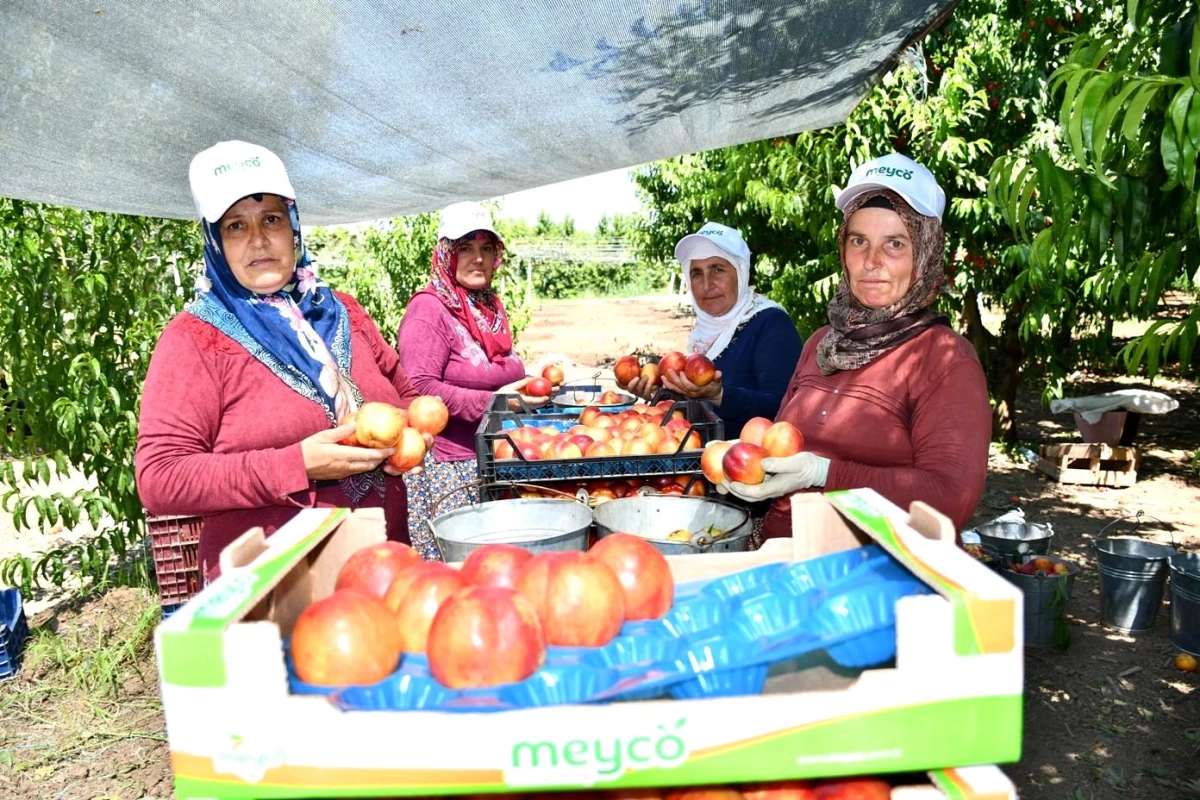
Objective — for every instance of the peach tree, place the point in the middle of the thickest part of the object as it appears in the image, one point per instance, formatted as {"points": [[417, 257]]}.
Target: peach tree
{"points": [[85, 295], [1113, 194]]}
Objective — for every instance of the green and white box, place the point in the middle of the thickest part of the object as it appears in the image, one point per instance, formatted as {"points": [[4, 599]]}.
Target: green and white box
{"points": [[952, 698]]}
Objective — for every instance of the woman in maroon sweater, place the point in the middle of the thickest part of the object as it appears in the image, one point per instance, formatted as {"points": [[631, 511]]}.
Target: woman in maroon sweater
{"points": [[456, 343], [890, 397], [240, 409]]}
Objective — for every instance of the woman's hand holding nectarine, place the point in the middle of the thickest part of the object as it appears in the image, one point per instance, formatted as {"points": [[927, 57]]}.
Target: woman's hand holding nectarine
{"points": [[325, 459], [713, 391]]}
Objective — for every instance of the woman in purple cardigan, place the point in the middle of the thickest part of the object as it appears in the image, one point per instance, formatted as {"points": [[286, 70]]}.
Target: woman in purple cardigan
{"points": [[455, 342]]}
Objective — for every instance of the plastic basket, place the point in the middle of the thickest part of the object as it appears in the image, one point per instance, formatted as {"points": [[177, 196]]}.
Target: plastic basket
{"points": [[13, 630], [496, 423], [174, 544]]}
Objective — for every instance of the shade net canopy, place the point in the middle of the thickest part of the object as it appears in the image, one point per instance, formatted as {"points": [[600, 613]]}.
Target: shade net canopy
{"points": [[382, 108]]}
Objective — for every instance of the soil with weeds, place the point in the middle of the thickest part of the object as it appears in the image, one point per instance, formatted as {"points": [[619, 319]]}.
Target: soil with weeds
{"points": [[1108, 716], [82, 718]]}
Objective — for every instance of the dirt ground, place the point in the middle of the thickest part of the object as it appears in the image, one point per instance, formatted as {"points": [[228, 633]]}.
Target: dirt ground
{"points": [[1107, 717]]}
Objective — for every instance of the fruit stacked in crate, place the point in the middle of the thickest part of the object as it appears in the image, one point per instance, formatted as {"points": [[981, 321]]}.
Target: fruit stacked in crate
{"points": [[647, 444]]}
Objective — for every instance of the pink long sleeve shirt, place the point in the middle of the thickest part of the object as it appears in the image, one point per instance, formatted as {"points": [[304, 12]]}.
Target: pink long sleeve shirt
{"points": [[219, 434], [914, 424], [441, 358]]}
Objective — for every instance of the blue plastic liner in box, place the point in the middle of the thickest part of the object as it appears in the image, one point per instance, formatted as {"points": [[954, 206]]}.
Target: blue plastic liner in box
{"points": [[859, 625], [718, 639], [13, 630]]}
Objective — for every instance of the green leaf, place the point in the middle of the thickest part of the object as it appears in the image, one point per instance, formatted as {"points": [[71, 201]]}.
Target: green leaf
{"points": [[1137, 109], [1177, 112], [1083, 114], [1101, 132], [1042, 251], [1171, 156], [1194, 55]]}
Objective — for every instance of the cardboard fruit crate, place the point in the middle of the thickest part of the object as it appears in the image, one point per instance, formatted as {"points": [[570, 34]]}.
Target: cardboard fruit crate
{"points": [[495, 426], [952, 697], [174, 546]]}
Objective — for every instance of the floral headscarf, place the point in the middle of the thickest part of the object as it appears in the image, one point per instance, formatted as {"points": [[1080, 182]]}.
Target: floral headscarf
{"points": [[861, 334], [481, 312], [301, 332]]}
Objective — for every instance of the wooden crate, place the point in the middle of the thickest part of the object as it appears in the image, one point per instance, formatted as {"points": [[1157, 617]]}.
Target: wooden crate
{"points": [[1089, 464]]}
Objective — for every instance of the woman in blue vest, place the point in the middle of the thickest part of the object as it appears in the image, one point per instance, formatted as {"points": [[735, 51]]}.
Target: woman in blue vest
{"points": [[750, 339]]}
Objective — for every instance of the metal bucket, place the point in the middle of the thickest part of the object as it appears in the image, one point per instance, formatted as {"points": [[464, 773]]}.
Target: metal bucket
{"points": [[1133, 574], [1015, 540], [1185, 602], [548, 525], [652, 517], [1046, 598]]}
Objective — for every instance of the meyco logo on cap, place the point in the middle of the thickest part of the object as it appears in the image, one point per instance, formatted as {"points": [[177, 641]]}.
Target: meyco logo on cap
{"points": [[249, 162], [890, 172]]}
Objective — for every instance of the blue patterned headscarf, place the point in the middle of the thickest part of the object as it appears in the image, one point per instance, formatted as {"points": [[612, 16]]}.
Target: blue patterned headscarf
{"points": [[301, 332]]}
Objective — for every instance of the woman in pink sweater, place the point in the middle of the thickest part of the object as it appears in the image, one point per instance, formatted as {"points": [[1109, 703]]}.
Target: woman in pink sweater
{"points": [[456, 343], [240, 409], [887, 396]]}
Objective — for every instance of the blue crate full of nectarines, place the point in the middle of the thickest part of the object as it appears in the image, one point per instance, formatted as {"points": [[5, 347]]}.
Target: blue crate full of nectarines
{"points": [[665, 438], [708, 638]]}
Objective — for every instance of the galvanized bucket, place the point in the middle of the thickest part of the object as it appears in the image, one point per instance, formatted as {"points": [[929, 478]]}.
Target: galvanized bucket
{"points": [[1046, 598], [1133, 574], [1185, 602], [1015, 540], [714, 525], [538, 525]]}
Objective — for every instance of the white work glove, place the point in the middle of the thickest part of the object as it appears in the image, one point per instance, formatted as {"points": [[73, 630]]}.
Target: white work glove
{"points": [[784, 476]]}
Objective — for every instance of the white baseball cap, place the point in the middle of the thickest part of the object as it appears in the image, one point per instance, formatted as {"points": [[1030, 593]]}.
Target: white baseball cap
{"points": [[229, 171], [459, 219], [903, 176], [714, 239]]}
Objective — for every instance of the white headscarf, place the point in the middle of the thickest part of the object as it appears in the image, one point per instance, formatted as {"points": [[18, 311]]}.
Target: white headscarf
{"points": [[711, 335]]}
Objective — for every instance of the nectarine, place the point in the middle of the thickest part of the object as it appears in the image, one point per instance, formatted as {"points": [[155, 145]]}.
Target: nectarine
{"points": [[782, 439], [379, 424], [673, 361], [743, 463], [711, 458], [485, 636], [754, 430], [643, 572], [699, 369], [345, 639], [428, 414], [410, 450], [626, 369], [578, 598]]}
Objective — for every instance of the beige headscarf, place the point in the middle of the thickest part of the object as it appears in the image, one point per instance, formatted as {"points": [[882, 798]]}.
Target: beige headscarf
{"points": [[861, 334]]}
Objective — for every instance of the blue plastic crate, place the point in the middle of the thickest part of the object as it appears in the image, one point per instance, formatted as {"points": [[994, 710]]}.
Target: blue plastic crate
{"points": [[13, 630]]}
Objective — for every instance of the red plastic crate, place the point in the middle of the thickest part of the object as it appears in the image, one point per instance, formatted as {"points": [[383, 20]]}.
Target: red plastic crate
{"points": [[174, 543]]}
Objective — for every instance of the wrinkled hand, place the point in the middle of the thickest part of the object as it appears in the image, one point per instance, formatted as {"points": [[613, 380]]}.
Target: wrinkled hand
{"points": [[640, 387], [530, 401], [784, 476], [325, 459], [419, 468], [713, 391]]}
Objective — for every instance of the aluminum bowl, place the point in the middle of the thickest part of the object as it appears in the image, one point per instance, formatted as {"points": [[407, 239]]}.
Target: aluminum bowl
{"points": [[652, 517], [1014, 540], [549, 525]]}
